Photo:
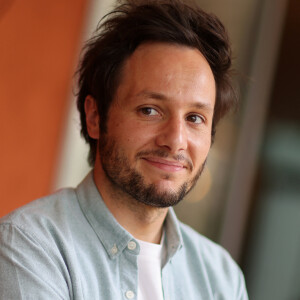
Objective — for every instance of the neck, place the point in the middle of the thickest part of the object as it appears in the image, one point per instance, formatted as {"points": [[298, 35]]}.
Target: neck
{"points": [[144, 222]]}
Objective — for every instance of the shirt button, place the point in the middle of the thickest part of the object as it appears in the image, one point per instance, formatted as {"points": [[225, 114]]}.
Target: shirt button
{"points": [[129, 294], [131, 245], [114, 250]]}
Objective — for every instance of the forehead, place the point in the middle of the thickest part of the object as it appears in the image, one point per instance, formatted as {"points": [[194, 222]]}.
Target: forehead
{"points": [[172, 70]]}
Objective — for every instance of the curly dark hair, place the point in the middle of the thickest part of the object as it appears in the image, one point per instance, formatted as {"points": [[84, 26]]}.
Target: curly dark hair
{"points": [[134, 22]]}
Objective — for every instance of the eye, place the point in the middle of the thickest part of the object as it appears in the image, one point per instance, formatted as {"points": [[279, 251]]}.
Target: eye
{"points": [[196, 119], [149, 111]]}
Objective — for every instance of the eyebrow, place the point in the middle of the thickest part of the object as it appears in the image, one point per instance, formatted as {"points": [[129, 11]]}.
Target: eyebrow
{"points": [[159, 96]]}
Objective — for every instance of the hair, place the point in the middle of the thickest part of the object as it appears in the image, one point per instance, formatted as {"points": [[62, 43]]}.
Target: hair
{"points": [[134, 22]]}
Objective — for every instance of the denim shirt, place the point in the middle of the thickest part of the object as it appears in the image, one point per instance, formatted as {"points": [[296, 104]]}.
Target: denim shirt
{"points": [[69, 246]]}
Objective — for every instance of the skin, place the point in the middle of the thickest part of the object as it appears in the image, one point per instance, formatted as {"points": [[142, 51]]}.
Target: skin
{"points": [[164, 103]]}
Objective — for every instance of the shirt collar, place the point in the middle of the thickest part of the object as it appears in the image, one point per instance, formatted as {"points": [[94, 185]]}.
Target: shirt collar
{"points": [[111, 234], [173, 240]]}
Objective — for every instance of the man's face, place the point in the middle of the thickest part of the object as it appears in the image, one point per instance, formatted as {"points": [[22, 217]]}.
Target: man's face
{"points": [[159, 124]]}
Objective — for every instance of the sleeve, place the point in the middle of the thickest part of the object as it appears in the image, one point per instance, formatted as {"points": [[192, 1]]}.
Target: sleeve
{"points": [[27, 270], [242, 291]]}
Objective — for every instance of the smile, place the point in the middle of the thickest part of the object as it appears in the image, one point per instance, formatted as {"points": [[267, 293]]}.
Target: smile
{"points": [[165, 165]]}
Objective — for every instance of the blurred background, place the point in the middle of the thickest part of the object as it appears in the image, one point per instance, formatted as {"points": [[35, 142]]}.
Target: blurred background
{"points": [[248, 198]]}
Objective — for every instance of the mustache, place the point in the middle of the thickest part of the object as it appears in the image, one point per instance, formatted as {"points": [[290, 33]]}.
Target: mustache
{"points": [[164, 154]]}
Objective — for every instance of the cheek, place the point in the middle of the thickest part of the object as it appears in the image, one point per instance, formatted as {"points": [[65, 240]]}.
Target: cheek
{"points": [[132, 134], [199, 149]]}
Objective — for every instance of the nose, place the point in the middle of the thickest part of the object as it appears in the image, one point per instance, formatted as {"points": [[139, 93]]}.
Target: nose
{"points": [[173, 136]]}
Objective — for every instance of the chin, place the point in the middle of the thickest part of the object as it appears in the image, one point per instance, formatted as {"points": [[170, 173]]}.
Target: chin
{"points": [[167, 186]]}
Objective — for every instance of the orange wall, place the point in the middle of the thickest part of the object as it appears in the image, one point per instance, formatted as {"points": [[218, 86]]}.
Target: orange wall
{"points": [[39, 44]]}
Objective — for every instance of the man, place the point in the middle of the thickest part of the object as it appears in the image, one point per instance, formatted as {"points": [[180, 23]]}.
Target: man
{"points": [[153, 84]]}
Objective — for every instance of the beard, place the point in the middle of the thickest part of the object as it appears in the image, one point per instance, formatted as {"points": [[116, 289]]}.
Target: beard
{"points": [[125, 178]]}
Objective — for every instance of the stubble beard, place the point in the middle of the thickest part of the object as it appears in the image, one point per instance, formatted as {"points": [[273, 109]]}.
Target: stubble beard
{"points": [[126, 179]]}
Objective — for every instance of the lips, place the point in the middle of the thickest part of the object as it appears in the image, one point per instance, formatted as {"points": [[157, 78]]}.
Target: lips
{"points": [[164, 164]]}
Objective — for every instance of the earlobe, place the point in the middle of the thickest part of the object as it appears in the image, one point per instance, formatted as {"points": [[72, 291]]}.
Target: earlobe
{"points": [[92, 117]]}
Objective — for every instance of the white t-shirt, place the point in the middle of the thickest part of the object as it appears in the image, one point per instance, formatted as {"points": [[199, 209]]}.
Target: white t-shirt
{"points": [[149, 270]]}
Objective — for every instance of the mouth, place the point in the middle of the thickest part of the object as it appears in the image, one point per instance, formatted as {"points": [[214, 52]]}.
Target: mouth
{"points": [[165, 165]]}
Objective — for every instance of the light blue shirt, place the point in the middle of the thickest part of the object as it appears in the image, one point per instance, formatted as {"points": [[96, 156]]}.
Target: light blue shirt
{"points": [[69, 246]]}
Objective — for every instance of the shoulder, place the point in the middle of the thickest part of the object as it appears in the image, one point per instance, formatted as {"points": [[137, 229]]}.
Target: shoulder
{"points": [[44, 215], [202, 245], [35, 247], [206, 250], [219, 267]]}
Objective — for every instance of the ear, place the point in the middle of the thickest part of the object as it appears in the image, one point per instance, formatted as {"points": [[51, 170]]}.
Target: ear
{"points": [[92, 117]]}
